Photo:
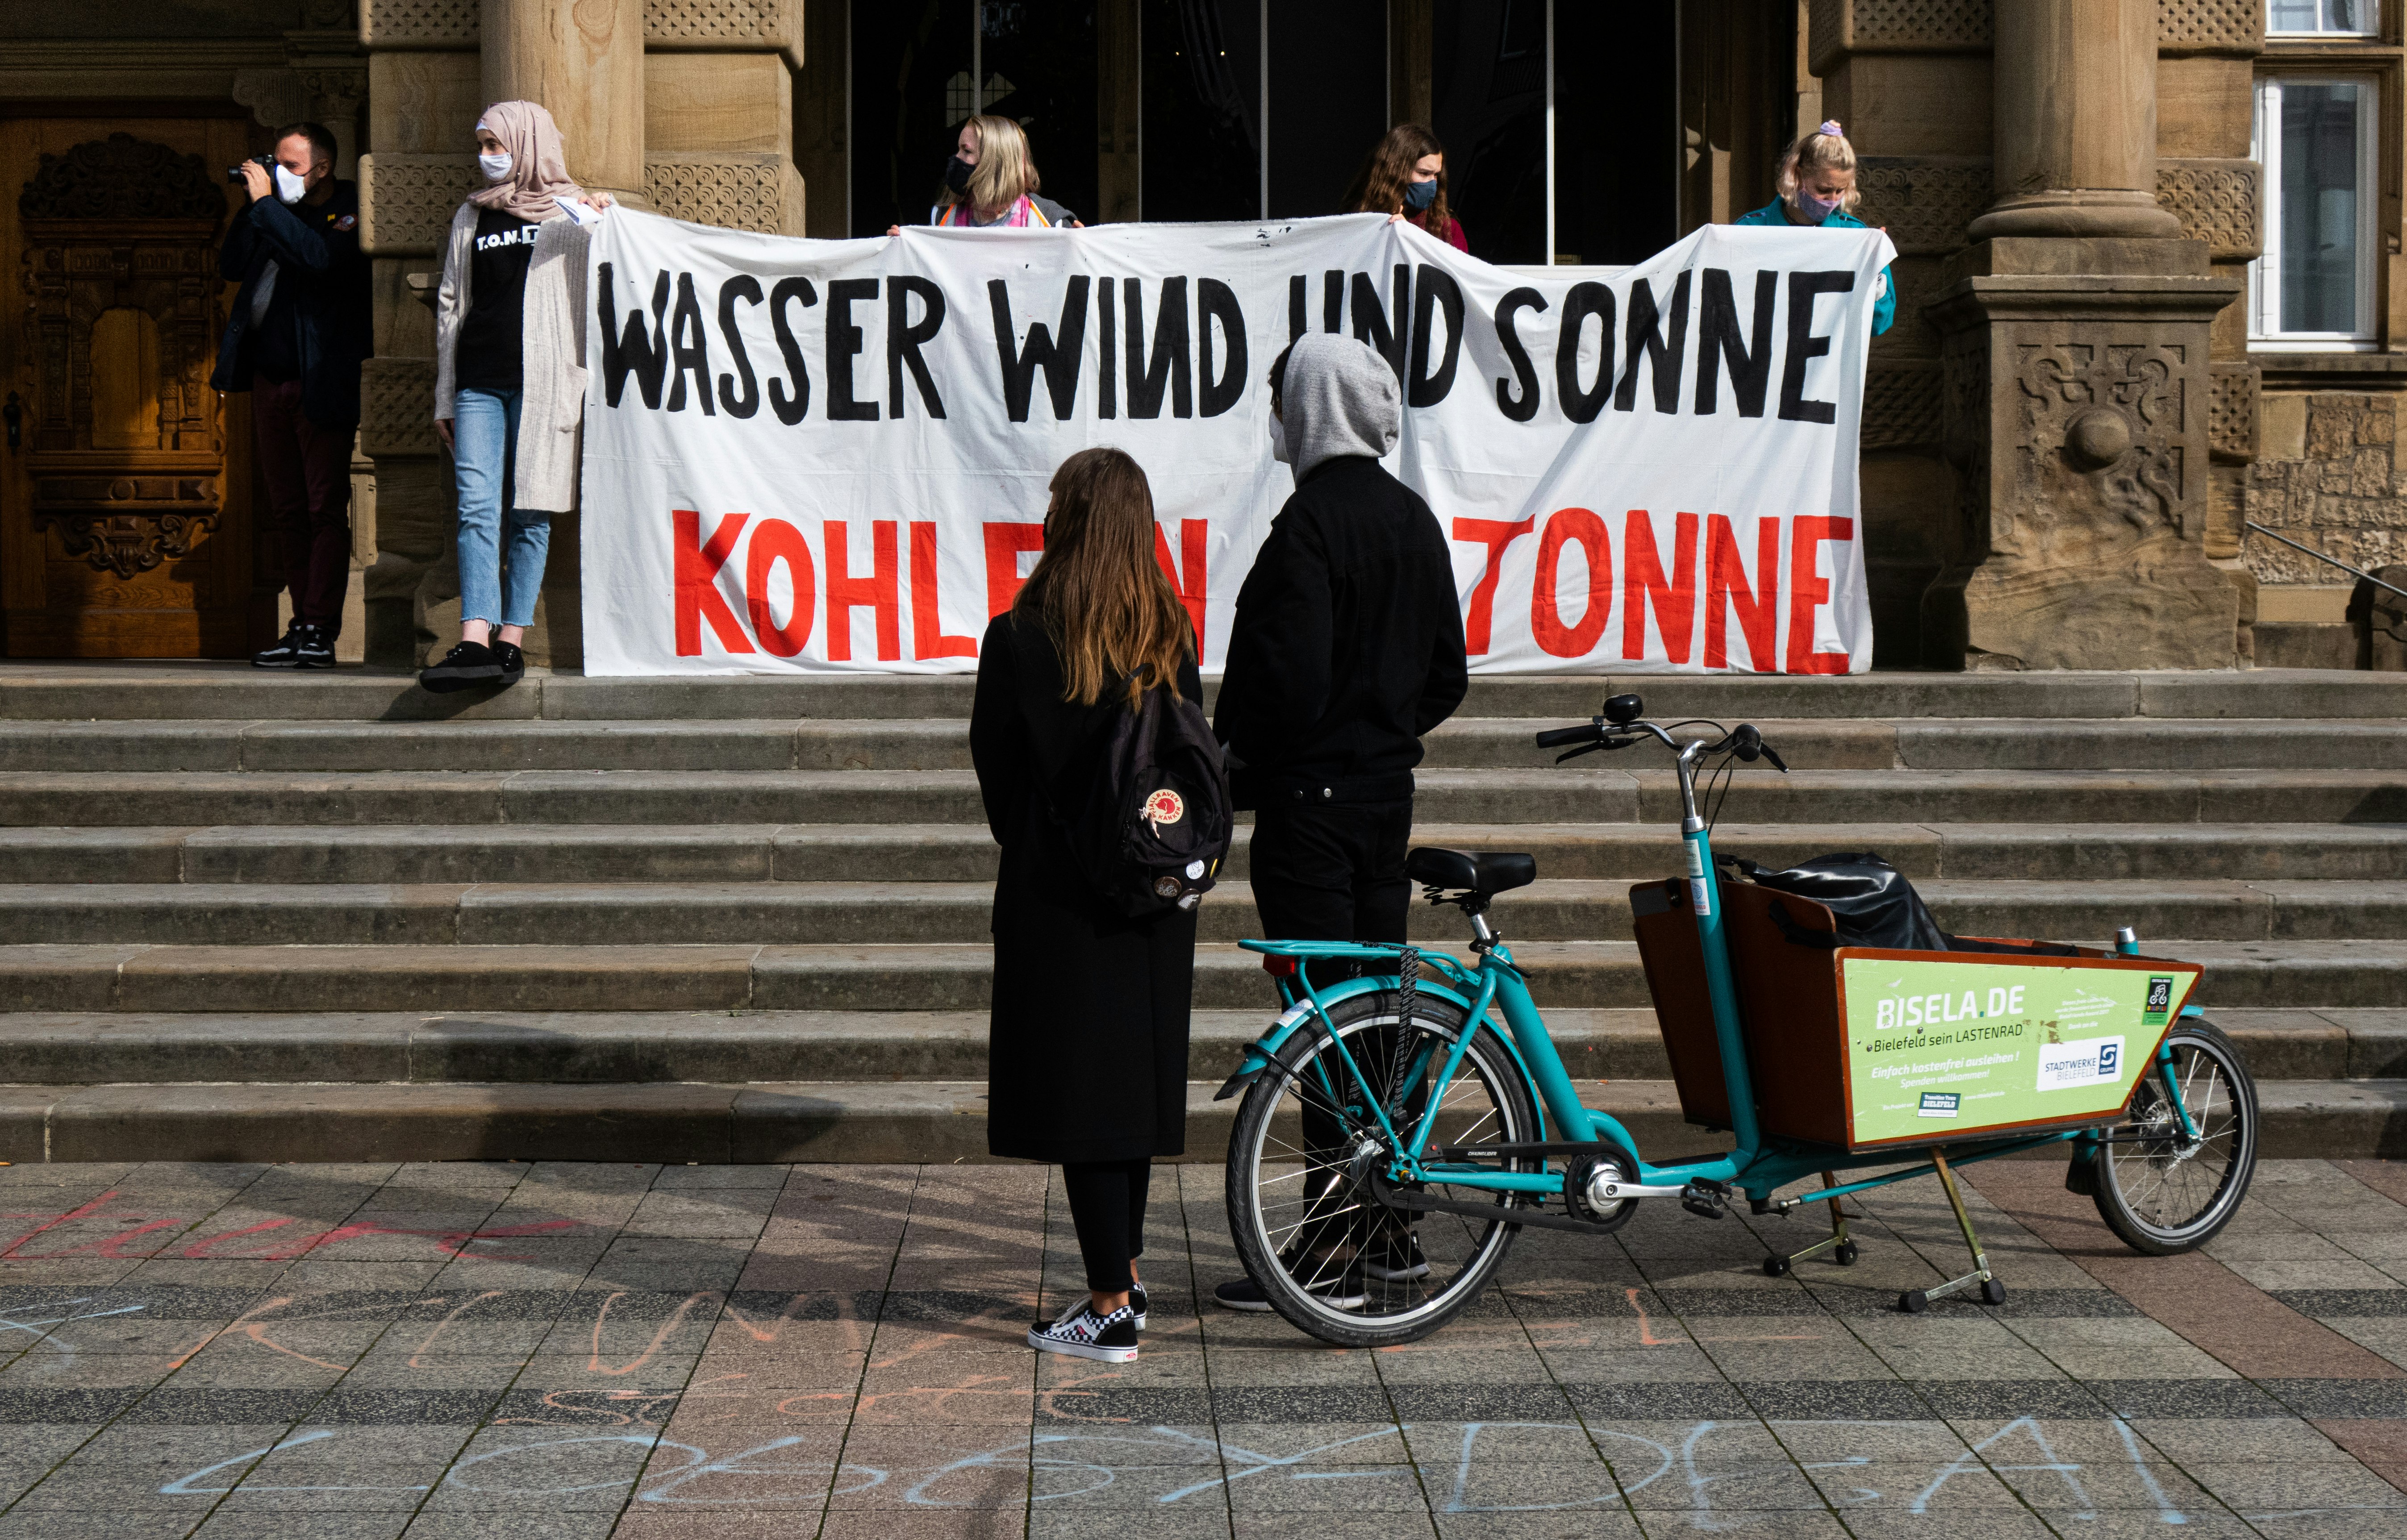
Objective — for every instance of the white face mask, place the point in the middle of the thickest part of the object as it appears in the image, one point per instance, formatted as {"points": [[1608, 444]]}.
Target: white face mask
{"points": [[1278, 440], [288, 188], [496, 166]]}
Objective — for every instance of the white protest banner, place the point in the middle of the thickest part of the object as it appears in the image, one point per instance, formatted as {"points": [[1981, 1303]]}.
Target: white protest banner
{"points": [[830, 456]]}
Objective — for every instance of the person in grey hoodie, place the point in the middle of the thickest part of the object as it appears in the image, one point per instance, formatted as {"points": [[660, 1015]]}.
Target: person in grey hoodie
{"points": [[1347, 647]]}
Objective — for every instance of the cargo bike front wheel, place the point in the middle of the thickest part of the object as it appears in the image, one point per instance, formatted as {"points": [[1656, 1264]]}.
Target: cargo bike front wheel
{"points": [[2164, 1188], [1332, 1259]]}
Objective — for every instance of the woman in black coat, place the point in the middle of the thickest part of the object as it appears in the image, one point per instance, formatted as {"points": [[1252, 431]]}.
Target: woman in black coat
{"points": [[1087, 1057]]}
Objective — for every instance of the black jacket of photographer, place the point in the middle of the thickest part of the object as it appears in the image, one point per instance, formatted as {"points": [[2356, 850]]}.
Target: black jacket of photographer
{"points": [[1347, 644], [316, 249]]}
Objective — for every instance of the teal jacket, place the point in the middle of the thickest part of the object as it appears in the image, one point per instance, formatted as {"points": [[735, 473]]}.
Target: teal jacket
{"points": [[1884, 308]]}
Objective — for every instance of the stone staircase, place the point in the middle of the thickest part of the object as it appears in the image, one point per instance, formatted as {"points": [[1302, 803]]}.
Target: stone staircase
{"points": [[246, 916]]}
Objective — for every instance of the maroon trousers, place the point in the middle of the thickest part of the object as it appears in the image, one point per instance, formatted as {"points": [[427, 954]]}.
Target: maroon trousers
{"points": [[307, 471]]}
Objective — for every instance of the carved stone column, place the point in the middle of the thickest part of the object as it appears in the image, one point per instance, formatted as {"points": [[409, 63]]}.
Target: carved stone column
{"points": [[2075, 105], [2076, 337], [584, 61]]}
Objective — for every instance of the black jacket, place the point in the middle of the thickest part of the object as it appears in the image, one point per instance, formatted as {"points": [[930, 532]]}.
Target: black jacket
{"points": [[316, 249], [1087, 1050], [1348, 640]]}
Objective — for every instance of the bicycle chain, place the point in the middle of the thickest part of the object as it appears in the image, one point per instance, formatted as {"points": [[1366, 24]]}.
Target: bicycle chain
{"points": [[1408, 986]]}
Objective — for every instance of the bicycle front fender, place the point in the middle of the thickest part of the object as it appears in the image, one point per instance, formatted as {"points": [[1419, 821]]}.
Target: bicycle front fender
{"points": [[1261, 1052]]}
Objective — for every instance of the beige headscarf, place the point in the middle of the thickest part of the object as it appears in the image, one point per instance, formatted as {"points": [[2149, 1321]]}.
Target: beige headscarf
{"points": [[539, 178]]}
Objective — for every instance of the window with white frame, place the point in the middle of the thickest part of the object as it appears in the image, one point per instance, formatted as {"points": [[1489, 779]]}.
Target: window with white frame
{"points": [[2313, 286], [2322, 18]]}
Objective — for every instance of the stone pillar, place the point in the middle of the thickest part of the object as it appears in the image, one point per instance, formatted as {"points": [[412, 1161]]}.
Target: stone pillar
{"points": [[2075, 338], [2075, 105], [584, 61]]}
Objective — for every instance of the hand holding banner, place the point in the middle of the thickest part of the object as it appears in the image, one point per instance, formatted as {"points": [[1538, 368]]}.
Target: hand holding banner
{"points": [[790, 446]]}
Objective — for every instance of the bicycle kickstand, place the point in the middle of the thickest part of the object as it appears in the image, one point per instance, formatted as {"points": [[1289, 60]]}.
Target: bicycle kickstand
{"points": [[1842, 1250], [1992, 1291]]}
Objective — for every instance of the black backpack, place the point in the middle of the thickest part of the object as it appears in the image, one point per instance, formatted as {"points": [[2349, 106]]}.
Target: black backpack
{"points": [[1145, 808]]}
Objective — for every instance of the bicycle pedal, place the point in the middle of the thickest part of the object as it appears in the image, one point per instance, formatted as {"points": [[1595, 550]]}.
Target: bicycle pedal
{"points": [[1706, 1199]]}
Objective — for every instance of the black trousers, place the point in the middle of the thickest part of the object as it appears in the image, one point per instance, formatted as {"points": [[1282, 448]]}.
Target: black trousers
{"points": [[1107, 1210], [1332, 874], [1324, 873]]}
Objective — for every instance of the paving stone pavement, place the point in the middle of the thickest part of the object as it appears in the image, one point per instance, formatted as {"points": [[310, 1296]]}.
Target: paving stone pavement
{"points": [[565, 1351]]}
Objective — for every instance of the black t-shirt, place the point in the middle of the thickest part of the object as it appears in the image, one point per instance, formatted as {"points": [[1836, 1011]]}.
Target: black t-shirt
{"points": [[491, 335]]}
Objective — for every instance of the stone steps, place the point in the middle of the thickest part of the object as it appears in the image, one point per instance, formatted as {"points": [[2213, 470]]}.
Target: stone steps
{"points": [[739, 1046], [137, 691], [50, 798], [742, 975], [652, 914], [942, 743], [964, 853], [254, 916], [920, 1122]]}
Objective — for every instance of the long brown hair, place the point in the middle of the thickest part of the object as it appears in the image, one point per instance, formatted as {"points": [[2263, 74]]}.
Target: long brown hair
{"points": [[1387, 170], [1097, 589]]}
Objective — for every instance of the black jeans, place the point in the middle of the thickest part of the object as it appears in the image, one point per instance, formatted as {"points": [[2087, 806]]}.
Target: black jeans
{"points": [[1335, 873], [1107, 1210]]}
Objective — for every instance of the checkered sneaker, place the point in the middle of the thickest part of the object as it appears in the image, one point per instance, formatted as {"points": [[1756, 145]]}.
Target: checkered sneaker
{"points": [[1082, 1333]]}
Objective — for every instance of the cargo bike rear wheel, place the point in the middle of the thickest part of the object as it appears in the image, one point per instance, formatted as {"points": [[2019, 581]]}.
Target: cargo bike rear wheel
{"points": [[2159, 1188]]}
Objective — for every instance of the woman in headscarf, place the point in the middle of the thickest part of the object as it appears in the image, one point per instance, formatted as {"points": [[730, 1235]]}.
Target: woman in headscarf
{"points": [[509, 352]]}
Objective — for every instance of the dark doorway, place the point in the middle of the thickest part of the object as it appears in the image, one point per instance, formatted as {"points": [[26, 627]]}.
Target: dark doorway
{"points": [[1203, 144], [921, 67]]}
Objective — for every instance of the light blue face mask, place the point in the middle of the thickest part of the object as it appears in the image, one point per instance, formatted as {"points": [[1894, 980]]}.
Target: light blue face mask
{"points": [[1814, 210]]}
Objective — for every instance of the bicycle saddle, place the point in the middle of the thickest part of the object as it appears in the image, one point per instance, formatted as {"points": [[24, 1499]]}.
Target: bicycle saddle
{"points": [[1486, 871]]}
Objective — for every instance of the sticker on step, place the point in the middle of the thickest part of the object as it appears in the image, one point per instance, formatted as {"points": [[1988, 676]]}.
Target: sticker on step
{"points": [[2161, 1001], [2067, 1067], [1940, 1104]]}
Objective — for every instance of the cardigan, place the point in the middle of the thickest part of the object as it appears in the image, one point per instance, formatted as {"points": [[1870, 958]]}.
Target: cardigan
{"points": [[552, 410]]}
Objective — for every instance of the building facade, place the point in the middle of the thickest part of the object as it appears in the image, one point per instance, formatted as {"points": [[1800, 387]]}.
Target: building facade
{"points": [[2151, 273]]}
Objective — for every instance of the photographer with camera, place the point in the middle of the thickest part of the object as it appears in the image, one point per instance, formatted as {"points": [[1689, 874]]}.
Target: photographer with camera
{"points": [[301, 326]]}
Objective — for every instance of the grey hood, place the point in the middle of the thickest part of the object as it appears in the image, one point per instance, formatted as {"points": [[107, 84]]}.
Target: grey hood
{"points": [[1339, 398]]}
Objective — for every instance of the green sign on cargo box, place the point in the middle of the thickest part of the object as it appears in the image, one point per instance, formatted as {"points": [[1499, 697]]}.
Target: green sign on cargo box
{"points": [[1939, 1050]]}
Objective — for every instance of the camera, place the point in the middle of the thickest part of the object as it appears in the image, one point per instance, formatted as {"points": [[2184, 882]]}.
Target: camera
{"points": [[234, 174]]}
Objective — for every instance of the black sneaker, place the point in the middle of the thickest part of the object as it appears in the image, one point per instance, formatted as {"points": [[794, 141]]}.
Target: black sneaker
{"points": [[512, 660], [464, 667], [1396, 1258], [1082, 1333], [295, 650]]}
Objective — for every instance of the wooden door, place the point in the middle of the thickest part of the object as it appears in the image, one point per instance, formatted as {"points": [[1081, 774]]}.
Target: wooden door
{"points": [[125, 499]]}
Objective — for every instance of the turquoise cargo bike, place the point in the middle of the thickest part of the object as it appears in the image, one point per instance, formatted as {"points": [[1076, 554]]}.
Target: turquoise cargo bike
{"points": [[1399, 1127]]}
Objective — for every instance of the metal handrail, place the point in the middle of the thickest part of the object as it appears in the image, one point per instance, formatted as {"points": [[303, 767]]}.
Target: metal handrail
{"points": [[2320, 557]]}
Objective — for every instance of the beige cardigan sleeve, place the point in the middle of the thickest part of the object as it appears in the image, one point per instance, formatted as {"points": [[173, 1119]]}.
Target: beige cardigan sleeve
{"points": [[451, 308], [551, 413]]}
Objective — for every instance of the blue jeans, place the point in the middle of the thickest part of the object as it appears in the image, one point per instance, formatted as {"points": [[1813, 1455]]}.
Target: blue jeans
{"points": [[485, 440]]}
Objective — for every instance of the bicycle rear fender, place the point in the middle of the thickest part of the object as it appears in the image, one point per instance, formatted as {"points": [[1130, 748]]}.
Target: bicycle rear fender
{"points": [[1260, 1053]]}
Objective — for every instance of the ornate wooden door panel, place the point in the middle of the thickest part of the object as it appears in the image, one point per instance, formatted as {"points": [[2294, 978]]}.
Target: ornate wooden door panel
{"points": [[124, 514]]}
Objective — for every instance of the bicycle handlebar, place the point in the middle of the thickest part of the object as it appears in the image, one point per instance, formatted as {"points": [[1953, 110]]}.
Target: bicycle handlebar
{"points": [[1586, 732]]}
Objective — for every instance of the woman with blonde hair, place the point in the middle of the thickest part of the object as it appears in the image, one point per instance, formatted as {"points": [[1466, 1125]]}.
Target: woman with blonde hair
{"points": [[1817, 182], [991, 181], [509, 354], [1405, 178], [1087, 1057]]}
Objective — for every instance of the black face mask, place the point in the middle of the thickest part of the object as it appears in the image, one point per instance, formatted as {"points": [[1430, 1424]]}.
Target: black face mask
{"points": [[956, 175]]}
